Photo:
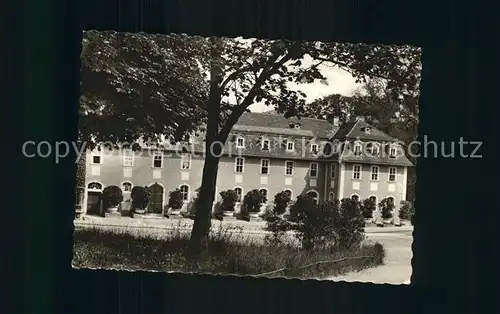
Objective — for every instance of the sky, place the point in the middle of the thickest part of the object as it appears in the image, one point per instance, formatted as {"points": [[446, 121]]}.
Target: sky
{"points": [[339, 82]]}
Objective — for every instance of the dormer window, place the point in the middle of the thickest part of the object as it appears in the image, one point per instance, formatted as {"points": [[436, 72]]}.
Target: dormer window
{"points": [[314, 148], [366, 130], [392, 152], [290, 146], [372, 149], [294, 125], [240, 142], [357, 149], [265, 144]]}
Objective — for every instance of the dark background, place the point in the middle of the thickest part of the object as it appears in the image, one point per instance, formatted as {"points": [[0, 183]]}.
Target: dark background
{"points": [[455, 226]]}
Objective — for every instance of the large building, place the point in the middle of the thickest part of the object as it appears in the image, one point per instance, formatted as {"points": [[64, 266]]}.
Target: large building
{"points": [[265, 151]]}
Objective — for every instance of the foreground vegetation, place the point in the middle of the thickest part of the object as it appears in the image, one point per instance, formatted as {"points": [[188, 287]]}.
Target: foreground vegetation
{"points": [[228, 252]]}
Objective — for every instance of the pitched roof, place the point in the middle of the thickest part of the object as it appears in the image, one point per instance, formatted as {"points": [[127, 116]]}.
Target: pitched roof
{"points": [[354, 130], [276, 123]]}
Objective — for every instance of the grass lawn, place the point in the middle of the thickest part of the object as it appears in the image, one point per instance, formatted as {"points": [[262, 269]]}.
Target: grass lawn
{"points": [[228, 252]]}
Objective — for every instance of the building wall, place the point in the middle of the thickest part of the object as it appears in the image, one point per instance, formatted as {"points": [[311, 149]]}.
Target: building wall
{"points": [[112, 172], [381, 188]]}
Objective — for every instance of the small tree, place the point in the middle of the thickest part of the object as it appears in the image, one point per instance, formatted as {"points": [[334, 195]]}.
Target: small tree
{"points": [[112, 196], [316, 225], [301, 204], [218, 212], [281, 201], [141, 196], [350, 225], [386, 208], [406, 210], [367, 208], [175, 200], [229, 199]]}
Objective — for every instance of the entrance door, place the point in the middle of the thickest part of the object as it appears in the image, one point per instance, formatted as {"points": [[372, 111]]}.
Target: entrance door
{"points": [[156, 202], [94, 203]]}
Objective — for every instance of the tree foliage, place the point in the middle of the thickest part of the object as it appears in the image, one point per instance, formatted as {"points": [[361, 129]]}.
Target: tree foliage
{"points": [[140, 85], [140, 195], [112, 196], [175, 200], [281, 201]]}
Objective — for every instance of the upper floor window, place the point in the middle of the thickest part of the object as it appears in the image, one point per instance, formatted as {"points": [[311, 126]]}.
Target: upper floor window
{"points": [[128, 158], [264, 166], [314, 148], [356, 172], [374, 174], [239, 164], [357, 149], [266, 144], [290, 146], [313, 170], [96, 157], [289, 167], [240, 142], [392, 152], [158, 160], [372, 149], [392, 174], [186, 161]]}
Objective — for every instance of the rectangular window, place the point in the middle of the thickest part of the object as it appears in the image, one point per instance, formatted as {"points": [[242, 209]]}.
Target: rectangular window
{"points": [[356, 172], [157, 160], [392, 174], [240, 142], [392, 152], [186, 161], [265, 144], [239, 163], [289, 167], [290, 146], [128, 158], [313, 170], [374, 176], [314, 148], [96, 157], [357, 150], [264, 166], [333, 171]]}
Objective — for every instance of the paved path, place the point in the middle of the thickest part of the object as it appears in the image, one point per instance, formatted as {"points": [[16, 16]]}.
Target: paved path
{"points": [[397, 264]]}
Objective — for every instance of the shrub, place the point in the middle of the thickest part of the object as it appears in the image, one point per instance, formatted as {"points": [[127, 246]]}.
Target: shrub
{"points": [[317, 226], [277, 226], [218, 213], [229, 199], [367, 208], [301, 204], [350, 224], [269, 211], [141, 196], [406, 210], [253, 200], [386, 208], [175, 200], [281, 201], [112, 196]]}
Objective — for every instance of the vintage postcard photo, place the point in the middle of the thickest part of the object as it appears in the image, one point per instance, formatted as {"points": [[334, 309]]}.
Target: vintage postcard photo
{"points": [[248, 157]]}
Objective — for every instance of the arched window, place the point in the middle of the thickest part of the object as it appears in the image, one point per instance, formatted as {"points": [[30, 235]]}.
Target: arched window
{"points": [[331, 196], [94, 186], [127, 187], [373, 199], [239, 193], [184, 192], [314, 195], [263, 192], [355, 197]]}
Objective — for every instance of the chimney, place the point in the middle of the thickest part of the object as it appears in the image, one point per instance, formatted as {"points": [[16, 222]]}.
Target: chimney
{"points": [[360, 118], [334, 120]]}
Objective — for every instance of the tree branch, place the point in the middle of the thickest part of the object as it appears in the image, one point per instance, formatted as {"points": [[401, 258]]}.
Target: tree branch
{"points": [[317, 263], [233, 76]]}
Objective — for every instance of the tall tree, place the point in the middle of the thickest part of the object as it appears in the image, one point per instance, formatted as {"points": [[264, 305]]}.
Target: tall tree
{"points": [[262, 70]]}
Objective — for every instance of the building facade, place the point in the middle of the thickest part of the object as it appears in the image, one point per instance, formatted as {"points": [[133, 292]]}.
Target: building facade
{"points": [[264, 151]]}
